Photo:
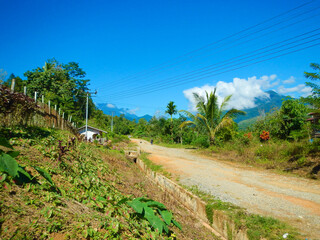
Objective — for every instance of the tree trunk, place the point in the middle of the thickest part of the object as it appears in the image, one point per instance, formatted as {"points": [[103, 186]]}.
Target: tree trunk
{"points": [[212, 137]]}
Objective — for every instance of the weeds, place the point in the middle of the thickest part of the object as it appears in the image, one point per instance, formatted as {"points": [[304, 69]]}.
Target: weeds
{"points": [[258, 227]]}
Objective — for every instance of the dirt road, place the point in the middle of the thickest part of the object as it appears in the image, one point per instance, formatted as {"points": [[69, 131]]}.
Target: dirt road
{"points": [[294, 200]]}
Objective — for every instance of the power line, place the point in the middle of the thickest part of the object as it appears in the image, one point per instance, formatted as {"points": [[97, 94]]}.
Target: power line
{"points": [[222, 63], [115, 86], [166, 64], [228, 70]]}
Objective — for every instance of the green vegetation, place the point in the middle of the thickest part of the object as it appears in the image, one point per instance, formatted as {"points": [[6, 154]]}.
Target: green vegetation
{"points": [[280, 139], [258, 227], [57, 184], [154, 167], [152, 211], [51, 182], [210, 116], [314, 99]]}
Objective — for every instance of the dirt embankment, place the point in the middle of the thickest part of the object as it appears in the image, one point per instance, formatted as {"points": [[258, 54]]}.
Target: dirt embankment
{"points": [[293, 200]]}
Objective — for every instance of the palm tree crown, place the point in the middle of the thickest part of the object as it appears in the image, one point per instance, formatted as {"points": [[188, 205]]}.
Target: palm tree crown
{"points": [[210, 115], [171, 109]]}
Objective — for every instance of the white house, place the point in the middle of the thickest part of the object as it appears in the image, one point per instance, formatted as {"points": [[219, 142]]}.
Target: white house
{"points": [[92, 132]]}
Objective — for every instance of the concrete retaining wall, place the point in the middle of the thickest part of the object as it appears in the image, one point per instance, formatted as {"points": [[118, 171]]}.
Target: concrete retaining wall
{"points": [[222, 225]]}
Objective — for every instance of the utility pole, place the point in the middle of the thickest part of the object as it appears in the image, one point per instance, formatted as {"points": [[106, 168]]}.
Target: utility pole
{"points": [[87, 116], [112, 122], [87, 107]]}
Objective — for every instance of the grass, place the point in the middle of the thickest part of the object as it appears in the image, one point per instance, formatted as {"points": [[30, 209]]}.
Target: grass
{"points": [[299, 158], [258, 227], [175, 145], [151, 165]]}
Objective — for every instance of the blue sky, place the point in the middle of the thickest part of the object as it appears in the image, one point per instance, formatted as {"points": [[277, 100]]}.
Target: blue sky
{"points": [[122, 44]]}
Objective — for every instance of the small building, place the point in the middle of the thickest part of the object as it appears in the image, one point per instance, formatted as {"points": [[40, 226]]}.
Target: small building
{"points": [[92, 132], [315, 117]]}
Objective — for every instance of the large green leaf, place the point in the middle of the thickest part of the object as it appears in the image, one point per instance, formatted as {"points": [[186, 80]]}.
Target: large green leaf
{"points": [[8, 164], [167, 216], [177, 224], [23, 176], [154, 220], [136, 205], [156, 204], [4, 142], [44, 174]]}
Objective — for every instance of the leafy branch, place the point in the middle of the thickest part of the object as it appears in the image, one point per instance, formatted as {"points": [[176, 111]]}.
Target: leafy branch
{"points": [[152, 210]]}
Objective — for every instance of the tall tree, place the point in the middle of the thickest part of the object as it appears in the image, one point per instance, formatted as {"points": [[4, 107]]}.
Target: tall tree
{"points": [[63, 84], [171, 109], [211, 116], [314, 99]]}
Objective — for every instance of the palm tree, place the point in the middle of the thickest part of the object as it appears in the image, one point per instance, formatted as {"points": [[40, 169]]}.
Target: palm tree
{"points": [[171, 109], [210, 115]]}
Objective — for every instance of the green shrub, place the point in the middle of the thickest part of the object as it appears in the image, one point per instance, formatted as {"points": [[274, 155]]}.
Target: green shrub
{"points": [[201, 141]]}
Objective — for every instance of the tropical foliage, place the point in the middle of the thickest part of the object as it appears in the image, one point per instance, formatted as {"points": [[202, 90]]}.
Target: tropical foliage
{"points": [[314, 99], [211, 116], [63, 84]]}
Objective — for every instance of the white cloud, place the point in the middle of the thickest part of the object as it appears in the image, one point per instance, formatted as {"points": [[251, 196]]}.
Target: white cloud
{"points": [[157, 113], [244, 91], [109, 105], [133, 111], [301, 88], [289, 80]]}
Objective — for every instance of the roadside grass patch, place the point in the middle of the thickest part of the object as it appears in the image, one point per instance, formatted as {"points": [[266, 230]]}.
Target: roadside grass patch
{"points": [[258, 227], [175, 145], [154, 167], [297, 157]]}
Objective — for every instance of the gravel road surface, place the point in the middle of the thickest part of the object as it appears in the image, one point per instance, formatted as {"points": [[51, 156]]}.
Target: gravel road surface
{"points": [[291, 199]]}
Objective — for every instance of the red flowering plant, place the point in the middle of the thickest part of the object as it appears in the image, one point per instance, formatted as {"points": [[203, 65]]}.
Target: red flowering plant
{"points": [[248, 135], [265, 136]]}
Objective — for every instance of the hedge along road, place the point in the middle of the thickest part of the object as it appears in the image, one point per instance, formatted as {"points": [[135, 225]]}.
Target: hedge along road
{"points": [[291, 199]]}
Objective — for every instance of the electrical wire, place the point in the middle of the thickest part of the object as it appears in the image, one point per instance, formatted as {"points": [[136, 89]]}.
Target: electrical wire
{"points": [[214, 66], [166, 64], [227, 70]]}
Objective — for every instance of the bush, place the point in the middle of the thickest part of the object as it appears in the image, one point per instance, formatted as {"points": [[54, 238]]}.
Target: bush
{"points": [[201, 141]]}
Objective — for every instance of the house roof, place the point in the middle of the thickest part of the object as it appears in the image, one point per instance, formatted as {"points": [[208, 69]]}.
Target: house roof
{"points": [[89, 127], [314, 113]]}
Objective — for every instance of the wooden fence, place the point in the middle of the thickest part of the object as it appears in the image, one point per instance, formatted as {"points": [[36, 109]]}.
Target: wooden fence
{"points": [[43, 115]]}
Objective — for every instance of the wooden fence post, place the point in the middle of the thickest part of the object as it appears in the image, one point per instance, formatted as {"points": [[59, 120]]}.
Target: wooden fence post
{"points": [[62, 122], [59, 118], [35, 96], [56, 117], [13, 83]]}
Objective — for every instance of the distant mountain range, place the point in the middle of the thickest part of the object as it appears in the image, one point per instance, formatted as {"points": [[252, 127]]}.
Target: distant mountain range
{"points": [[118, 111], [263, 105]]}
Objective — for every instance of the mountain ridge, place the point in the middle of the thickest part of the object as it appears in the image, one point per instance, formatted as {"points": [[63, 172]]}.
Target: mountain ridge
{"points": [[263, 105]]}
